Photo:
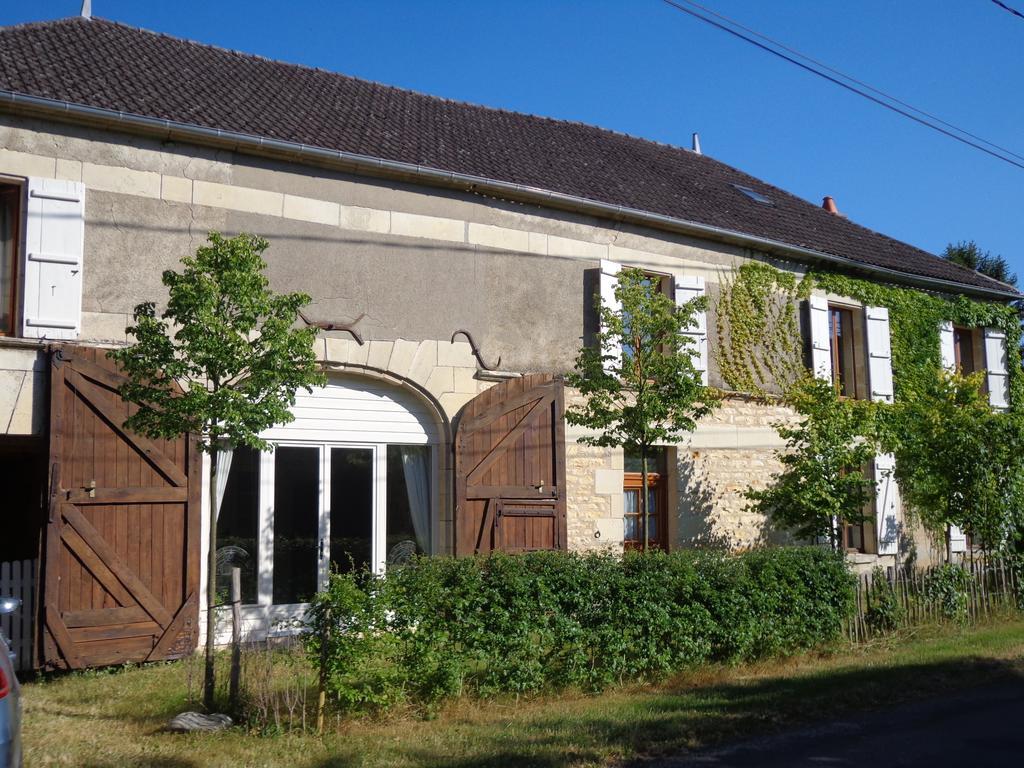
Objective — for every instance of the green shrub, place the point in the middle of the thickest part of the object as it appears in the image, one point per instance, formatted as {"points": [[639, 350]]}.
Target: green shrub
{"points": [[511, 624], [947, 587], [884, 612]]}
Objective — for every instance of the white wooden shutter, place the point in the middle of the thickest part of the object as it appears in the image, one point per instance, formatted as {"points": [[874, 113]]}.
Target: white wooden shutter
{"points": [[52, 261], [887, 504], [957, 540], [887, 492], [687, 288], [946, 346], [879, 353], [609, 279], [995, 365], [821, 339]]}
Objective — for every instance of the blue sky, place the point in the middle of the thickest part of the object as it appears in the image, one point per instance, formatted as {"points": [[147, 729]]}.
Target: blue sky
{"points": [[641, 67]]}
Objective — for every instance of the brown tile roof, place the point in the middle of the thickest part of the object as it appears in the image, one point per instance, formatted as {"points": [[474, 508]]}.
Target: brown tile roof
{"points": [[112, 66]]}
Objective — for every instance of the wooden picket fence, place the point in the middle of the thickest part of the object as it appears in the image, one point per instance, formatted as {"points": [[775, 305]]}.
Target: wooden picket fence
{"points": [[18, 579], [991, 589]]}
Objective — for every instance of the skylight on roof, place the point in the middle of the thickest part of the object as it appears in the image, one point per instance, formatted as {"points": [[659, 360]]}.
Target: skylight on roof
{"points": [[757, 197]]}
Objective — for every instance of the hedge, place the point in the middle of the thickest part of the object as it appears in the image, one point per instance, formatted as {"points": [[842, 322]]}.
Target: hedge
{"points": [[443, 627]]}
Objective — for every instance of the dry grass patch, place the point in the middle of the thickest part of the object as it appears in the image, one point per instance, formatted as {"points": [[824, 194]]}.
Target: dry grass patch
{"points": [[113, 718]]}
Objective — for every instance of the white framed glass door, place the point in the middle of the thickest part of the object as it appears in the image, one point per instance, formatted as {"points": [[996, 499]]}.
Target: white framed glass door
{"points": [[292, 514]]}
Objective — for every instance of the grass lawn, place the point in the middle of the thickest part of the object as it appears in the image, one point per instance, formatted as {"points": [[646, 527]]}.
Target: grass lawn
{"points": [[113, 718]]}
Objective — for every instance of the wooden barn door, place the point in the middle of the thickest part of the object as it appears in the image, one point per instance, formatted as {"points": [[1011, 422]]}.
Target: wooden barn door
{"points": [[121, 556], [510, 469]]}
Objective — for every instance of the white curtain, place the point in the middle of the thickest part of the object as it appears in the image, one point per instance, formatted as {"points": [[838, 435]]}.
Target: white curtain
{"points": [[224, 455], [416, 467]]}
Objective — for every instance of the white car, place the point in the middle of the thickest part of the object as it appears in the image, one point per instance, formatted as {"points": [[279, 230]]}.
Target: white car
{"points": [[10, 698]]}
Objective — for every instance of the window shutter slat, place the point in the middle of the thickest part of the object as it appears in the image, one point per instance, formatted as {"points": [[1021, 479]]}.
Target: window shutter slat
{"points": [[53, 261], [887, 504], [609, 279], [995, 364], [946, 345], [821, 345], [687, 288]]}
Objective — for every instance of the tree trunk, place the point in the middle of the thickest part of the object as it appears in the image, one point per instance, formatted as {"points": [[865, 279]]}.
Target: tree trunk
{"points": [[949, 544], [644, 511], [211, 586]]}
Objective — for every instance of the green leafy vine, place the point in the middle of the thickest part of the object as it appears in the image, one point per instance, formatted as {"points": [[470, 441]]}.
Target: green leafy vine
{"points": [[758, 324], [914, 320]]}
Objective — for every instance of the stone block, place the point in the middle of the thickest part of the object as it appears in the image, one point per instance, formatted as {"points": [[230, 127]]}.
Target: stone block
{"points": [[361, 219], [234, 198], [499, 237], [25, 164], [402, 355], [423, 362], [308, 209], [71, 170], [428, 227], [359, 354], [22, 359], [338, 350], [453, 402], [122, 181], [538, 243], [22, 400], [612, 530], [565, 246], [441, 381], [176, 189], [380, 354], [607, 481], [457, 354], [465, 380]]}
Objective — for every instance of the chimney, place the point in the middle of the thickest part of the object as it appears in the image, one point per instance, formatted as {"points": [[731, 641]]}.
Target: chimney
{"points": [[830, 205], [696, 143]]}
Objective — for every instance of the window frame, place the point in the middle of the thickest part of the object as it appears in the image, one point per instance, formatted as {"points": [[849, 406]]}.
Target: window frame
{"points": [[848, 350], [658, 480], [14, 188]]}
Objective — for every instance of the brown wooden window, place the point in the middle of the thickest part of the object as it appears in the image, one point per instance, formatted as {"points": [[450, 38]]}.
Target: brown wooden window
{"points": [[846, 342], [657, 485], [658, 284], [10, 231], [860, 537], [963, 350]]}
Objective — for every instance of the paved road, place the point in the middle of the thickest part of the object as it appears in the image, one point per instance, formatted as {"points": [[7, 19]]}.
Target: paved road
{"points": [[984, 727]]}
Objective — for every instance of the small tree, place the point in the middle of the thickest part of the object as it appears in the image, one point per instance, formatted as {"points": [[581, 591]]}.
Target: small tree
{"points": [[961, 463], [822, 480], [222, 362], [638, 381]]}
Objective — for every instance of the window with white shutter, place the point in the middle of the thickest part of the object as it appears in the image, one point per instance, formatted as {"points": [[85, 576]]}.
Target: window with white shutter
{"points": [[947, 346], [887, 494], [995, 365], [53, 259], [687, 288], [879, 353], [821, 345], [609, 279], [887, 504]]}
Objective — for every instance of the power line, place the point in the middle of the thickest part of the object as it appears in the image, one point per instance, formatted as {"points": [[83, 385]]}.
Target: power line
{"points": [[854, 80], [1005, 7], [882, 99]]}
